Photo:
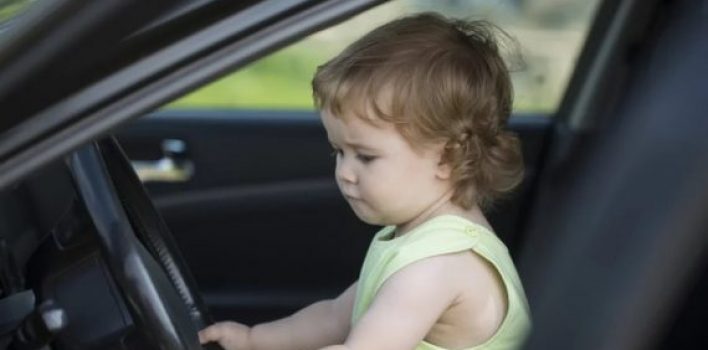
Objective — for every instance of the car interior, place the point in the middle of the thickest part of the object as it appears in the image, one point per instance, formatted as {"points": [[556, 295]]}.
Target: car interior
{"points": [[225, 222]]}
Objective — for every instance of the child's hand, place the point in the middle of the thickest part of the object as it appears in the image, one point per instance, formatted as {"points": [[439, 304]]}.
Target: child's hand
{"points": [[230, 335]]}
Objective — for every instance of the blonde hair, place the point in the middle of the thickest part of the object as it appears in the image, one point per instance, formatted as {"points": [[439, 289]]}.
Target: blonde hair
{"points": [[438, 80]]}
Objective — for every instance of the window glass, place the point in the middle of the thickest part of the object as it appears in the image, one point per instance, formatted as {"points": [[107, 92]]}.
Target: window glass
{"points": [[11, 9], [550, 34]]}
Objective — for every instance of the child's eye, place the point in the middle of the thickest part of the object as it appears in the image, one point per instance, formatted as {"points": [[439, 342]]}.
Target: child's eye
{"points": [[365, 158]]}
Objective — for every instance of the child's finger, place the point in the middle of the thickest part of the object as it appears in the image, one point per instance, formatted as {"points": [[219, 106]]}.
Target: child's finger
{"points": [[209, 334]]}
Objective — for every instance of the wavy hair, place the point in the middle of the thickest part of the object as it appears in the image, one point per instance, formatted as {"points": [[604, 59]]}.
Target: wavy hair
{"points": [[438, 80]]}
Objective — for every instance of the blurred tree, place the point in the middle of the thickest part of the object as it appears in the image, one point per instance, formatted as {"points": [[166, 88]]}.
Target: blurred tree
{"points": [[11, 8]]}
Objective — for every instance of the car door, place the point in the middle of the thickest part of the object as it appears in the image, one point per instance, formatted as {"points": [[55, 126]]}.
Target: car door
{"points": [[245, 180]]}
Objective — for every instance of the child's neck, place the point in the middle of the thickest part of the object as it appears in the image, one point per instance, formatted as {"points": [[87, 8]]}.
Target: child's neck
{"points": [[444, 206]]}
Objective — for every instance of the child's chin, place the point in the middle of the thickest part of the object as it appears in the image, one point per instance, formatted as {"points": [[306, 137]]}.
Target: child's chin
{"points": [[365, 217], [370, 219]]}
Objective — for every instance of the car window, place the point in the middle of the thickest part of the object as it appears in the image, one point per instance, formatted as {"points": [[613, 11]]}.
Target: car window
{"points": [[10, 10], [550, 34]]}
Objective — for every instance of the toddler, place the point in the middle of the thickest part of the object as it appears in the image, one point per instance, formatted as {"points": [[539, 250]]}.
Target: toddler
{"points": [[415, 112]]}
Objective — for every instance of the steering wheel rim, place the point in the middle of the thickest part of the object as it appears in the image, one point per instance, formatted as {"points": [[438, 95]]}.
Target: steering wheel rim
{"points": [[152, 230], [138, 248]]}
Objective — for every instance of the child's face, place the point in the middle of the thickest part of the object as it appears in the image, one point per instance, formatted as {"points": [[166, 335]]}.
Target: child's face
{"points": [[384, 180]]}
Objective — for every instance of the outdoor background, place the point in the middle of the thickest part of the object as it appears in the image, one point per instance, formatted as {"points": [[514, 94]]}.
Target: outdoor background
{"points": [[550, 34]]}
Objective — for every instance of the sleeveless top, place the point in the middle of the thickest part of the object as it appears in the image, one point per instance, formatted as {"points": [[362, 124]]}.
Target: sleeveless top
{"points": [[443, 235]]}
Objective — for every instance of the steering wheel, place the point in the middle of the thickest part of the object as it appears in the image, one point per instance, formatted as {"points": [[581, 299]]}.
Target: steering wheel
{"points": [[139, 249]]}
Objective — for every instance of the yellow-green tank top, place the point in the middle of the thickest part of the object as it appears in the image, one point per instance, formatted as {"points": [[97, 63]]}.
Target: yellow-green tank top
{"points": [[443, 235]]}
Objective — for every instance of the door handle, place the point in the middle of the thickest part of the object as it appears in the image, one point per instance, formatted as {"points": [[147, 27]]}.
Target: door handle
{"points": [[174, 166]]}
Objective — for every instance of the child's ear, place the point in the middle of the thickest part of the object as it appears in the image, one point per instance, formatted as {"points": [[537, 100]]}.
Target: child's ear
{"points": [[444, 169]]}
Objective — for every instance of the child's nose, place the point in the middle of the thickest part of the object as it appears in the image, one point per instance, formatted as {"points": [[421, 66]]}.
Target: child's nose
{"points": [[344, 172]]}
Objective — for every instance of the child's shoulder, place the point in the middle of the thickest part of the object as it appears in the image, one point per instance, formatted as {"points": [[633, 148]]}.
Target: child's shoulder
{"points": [[445, 251], [460, 271], [466, 288]]}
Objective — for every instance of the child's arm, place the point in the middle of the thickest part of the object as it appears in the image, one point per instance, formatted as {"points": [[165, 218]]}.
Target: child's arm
{"points": [[408, 304], [320, 324]]}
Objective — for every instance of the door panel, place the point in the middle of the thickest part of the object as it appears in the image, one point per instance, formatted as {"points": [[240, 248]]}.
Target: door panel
{"points": [[261, 222]]}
